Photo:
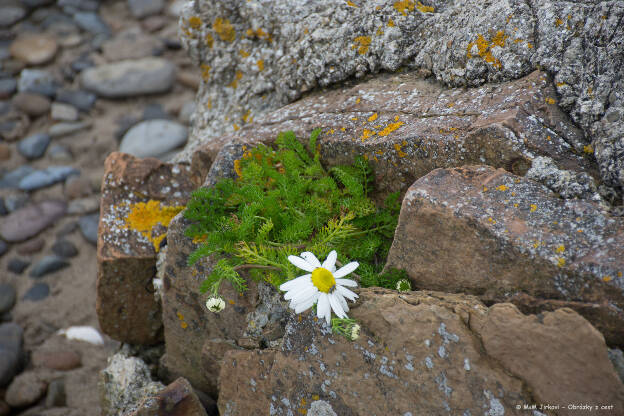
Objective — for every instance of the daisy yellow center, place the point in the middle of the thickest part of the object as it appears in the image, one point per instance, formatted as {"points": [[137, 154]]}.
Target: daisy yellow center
{"points": [[323, 279]]}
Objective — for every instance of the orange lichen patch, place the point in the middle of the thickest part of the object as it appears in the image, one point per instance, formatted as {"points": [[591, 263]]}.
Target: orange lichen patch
{"points": [[373, 117], [237, 77], [561, 262], [517, 40], [342, 129], [560, 249], [508, 18], [558, 22], [362, 43], [224, 29], [536, 244], [198, 239], [513, 194], [485, 189], [350, 3], [209, 40], [588, 149], [194, 22], [260, 64], [237, 168], [184, 325], [485, 48], [243, 53], [205, 71], [367, 134], [260, 34], [502, 188], [424, 9], [365, 156], [390, 128], [391, 23], [396, 118], [550, 100], [331, 131], [607, 278], [450, 105], [354, 118], [548, 138], [398, 148], [491, 220], [533, 208], [231, 302], [236, 127], [144, 216], [404, 6], [561, 84], [529, 45], [379, 31], [357, 100]]}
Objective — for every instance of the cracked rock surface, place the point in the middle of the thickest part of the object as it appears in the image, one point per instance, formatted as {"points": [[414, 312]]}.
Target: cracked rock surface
{"points": [[256, 56], [424, 353]]}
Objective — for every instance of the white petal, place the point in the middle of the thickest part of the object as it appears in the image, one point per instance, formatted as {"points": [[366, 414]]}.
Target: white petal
{"points": [[301, 288], [346, 269], [83, 333], [346, 293], [346, 282], [320, 306], [342, 301], [330, 261], [291, 284], [304, 294], [311, 259], [301, 263], [335, 305], [300, 307]]}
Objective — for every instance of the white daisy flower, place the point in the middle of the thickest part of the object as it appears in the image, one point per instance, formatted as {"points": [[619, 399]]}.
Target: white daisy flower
{"points": [[323, 286], [215, 304], [355, 332]]}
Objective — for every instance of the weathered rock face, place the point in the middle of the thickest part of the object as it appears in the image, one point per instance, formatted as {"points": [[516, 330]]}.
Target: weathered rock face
{"points": [[424, 353], [124, 383], [487, 232], [256, 56], [196, 339], [139, 198], [177, 399], [407, 126]]}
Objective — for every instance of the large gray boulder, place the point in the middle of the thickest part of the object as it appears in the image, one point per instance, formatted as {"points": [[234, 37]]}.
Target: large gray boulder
{"points": [[256, 56]]}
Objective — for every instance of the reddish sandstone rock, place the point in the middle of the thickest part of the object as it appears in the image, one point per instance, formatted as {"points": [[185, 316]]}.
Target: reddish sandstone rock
{"points": [[407, 126], [139, 198], [487, 232], [56, 360], [426, 353], [196, 339], [177, 399]]}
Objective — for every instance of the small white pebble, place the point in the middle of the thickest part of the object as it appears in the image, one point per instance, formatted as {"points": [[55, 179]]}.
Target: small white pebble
{"points": [[83, 333]]}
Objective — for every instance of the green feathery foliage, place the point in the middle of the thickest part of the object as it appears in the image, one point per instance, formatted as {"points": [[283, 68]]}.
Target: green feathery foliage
{"points": [[285, 202]]}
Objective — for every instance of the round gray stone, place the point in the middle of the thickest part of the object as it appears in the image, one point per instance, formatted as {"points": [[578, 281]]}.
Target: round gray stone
{"points": [[10, 14], [46, 177], [153, 138], [17, 265], [64, 248], [92, 22], [80, 99], [7, 87], [37, 292], [129, 78], [89, 227], [47, 265], [34, 146], [11, 335], [37, 81], [7, 297], [30, 220]]}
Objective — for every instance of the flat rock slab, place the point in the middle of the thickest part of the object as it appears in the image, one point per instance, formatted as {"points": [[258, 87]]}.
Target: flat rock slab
{"points": [[424, 353], [487, 232], [129, 78], [406, 127], [153, 138], [139, 198], [29, 221], [178, 398]]}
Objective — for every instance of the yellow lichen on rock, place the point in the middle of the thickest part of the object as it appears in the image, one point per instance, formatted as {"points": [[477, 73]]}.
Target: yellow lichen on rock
{"points": [[424, 9], [362, 43], [404, 6], [194, 22], [209, 40], [390, 128], [224, 29], [484, 48], [144, 216], [205, 71]]}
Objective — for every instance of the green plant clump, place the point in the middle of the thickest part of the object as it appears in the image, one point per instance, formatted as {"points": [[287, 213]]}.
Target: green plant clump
{"points": [[285, 202]]}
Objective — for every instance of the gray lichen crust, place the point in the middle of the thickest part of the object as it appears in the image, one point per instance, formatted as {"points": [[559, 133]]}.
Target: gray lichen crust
{"points": [[256, 56]]}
